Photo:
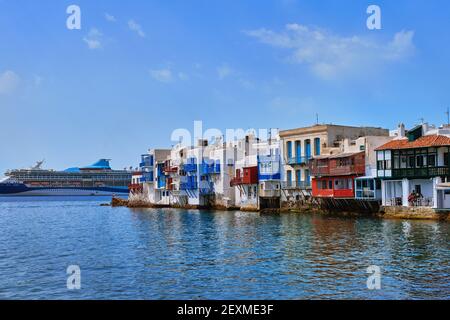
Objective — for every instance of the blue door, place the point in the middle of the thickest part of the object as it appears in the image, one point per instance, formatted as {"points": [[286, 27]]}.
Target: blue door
{"points": [[298, 151], [317, 146], [289, 150], [308, 149], [289, 177], [307, 177], [298, 177]]}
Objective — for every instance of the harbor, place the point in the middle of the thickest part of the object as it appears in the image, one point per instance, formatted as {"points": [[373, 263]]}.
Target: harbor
{"points": [[189, 254], [385, 173]]}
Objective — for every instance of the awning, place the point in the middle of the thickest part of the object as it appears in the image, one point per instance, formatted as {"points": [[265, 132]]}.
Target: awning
{"points": [[443, 186]]}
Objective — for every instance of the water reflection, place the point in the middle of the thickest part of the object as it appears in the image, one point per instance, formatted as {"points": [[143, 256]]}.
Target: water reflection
{"points": [[187, 254]]}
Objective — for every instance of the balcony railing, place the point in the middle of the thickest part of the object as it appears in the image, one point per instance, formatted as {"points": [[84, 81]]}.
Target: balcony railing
{"points": [[236, 181], [358, 169], [348, 170], [421, 172], [171, 169], [320, 171], [213, 168], [147, 177], [190, 167], [188, 186], [299, 160], [296, 185]]}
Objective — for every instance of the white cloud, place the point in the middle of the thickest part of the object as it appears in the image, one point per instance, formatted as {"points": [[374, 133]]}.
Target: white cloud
{"points": [[224, 71], [37, 80], [93, 39], [136, 28], [110, 17], [9, 81], [246, 84], [166, 75], [182, 76], [162, 75], [328, 55]]}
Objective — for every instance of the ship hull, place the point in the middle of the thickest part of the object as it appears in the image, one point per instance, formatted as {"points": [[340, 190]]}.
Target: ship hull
{"points": [[23, 190]]}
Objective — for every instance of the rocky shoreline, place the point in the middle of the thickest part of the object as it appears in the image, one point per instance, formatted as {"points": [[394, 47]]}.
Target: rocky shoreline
{"points": [[416, 213]]}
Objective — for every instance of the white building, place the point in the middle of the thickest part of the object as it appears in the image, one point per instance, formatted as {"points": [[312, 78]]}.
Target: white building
{"points": [[415, 167]]}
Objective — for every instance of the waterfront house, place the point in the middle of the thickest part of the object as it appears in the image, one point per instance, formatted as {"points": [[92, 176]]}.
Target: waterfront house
{"points": [[299, 146], [348, 172], [136, 186], [245, 179], [415, 168], [153, 176], [269, 173]]}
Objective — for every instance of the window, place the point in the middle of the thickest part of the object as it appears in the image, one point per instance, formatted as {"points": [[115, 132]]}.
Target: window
{"points": [[419, 161], [380, 165], [298, 150], [432, 160], [418, 189], [330, 184], [317, 146], [446, 159], [289, 149], [308, 149], [411, 162], [388, 164], [298, 175]]}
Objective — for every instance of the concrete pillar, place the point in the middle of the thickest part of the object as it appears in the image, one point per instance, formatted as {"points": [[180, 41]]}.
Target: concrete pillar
{"points": [[436, 180], [383, 192], [405, 192]]}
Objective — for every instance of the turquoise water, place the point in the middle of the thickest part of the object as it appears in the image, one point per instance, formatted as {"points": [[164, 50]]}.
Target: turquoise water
{"points": [[183, 254]]}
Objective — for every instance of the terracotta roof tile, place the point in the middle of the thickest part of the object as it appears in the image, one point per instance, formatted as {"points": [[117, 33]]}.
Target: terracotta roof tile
{"points": [[422, 142]]}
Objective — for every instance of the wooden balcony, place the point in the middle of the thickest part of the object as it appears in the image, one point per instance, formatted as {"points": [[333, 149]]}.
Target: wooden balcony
{"points": [[339, 165], [248, 175], [171, 169], [418, 173]]}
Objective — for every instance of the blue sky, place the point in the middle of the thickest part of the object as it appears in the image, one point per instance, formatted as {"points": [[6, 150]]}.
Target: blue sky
{"points": [[137, 70]]}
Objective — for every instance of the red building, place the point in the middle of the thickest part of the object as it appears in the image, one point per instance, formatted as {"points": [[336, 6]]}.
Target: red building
{"points": [[247, 175], [334, 175], [136, 187]]}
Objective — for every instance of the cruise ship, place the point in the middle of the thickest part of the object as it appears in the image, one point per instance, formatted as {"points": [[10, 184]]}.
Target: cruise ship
{"points": [[95, 180]]}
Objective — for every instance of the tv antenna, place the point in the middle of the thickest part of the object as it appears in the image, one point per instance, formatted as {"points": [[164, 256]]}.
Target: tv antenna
{"points": [[448, 116]]}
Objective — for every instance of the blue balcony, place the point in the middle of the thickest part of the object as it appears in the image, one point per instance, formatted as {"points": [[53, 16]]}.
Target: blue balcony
{"points": [[269, 168], [147, 177], [190, 165], [299, 160], [146, 161], [190, 185], [210, 168]]}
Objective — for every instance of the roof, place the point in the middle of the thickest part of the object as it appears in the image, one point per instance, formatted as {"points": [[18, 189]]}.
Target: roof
{"points": [[423, 142], [323, 128], [339, 155]]}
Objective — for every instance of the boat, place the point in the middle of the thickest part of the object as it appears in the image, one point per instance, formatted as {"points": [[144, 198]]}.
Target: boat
{"points": [[97, 179]]}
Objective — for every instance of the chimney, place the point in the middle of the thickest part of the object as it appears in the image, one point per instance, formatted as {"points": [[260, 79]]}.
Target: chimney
{"points": [[401, 130]]}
